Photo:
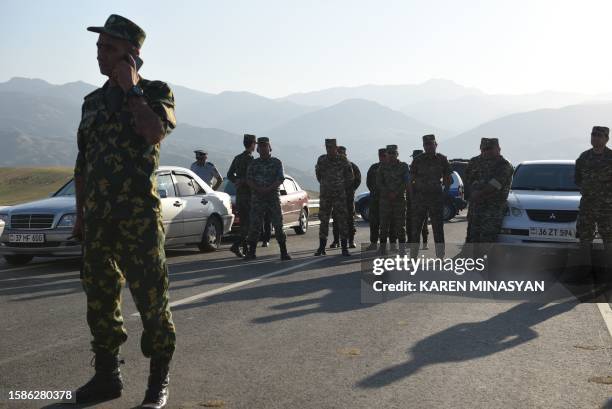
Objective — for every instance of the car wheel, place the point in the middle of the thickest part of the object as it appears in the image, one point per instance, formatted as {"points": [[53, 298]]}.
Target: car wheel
{"points": [[448, 211], [211, 238], [18, 260], [364, 210], [302, 228]]}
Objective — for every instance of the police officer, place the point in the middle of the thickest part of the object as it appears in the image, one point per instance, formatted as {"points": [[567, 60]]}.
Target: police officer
{"points": [[206, 170], [425, 230], [429, 171], [488, 197], [335, 175], [119, 212], [374, 204], [350, 204], [264, 176], [392, 179], [593, 175], [237, 175]]}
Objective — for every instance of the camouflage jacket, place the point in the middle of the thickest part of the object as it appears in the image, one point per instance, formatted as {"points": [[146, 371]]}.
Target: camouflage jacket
{"points": [[335, 174], [238, 171], [471, 173], [371, 181], [392, 177], [594, 174], [495, 172], [264, 172], [356, 178], [117, 164], [427, 172]]}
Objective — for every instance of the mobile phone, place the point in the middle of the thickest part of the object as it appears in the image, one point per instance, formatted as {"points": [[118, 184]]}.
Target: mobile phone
{"points": [[137, 60]]}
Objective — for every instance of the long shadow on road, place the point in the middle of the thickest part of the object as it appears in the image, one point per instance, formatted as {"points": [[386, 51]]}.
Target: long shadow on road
{"points": [[470, 340]]}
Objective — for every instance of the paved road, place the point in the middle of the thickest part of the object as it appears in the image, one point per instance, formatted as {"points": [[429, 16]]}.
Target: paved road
{"points": [[273, 334]]}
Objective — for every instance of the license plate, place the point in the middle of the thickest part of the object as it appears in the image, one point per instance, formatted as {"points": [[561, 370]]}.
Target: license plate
{"points": [[552, 233], [26, 238]]}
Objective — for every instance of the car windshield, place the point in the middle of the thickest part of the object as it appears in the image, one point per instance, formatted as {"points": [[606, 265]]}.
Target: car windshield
{"points": [[228, 187], [549, 177], [66, 190]]}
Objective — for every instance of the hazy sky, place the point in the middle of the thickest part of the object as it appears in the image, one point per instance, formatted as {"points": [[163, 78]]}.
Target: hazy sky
{"points": [[274, 48]]}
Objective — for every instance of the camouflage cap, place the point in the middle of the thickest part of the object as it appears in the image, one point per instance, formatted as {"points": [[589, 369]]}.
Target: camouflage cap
{"points": [[483, 142], [200, 152], [417, 152], [429, 138], [382, 151], [490, 143], [248, 138], [330, 142], [391, 148], [263, 139], [120, 27], [603, 130], [342, 148]]}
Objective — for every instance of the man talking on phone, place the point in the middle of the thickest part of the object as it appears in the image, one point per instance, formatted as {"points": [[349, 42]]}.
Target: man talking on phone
{"points": [[119, 213]]}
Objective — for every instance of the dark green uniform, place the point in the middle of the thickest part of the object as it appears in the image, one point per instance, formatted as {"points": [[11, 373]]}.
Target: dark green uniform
{"points": [[594, 177], [238, 172], [350, 206], [471, 176], [427, 171], [392, 178], [123, 230], [335, 176], [264, 172]]}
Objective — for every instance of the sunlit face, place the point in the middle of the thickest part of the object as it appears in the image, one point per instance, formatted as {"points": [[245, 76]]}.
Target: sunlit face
{"points": [[111, 50], [264, 149]]}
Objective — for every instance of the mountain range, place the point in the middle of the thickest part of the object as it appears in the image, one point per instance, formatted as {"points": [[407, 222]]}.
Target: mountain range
{"points": [[38, 122]]}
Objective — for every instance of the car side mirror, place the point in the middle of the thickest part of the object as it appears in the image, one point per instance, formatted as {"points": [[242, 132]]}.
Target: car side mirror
{"points": [[162, 193], [283, 192]]}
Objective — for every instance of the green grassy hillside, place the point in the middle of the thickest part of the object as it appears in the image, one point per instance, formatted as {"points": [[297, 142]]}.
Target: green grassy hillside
{"points": [[19, 185]]}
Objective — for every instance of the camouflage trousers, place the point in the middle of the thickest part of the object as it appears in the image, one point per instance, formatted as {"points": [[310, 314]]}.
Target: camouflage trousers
{"points": [[425, 205], [350, 210], [335, 203], [262, 207], [132, 250], [424, 229], [393, 213], [485, 221], [243, 203], [594, 215], [374, 219]]}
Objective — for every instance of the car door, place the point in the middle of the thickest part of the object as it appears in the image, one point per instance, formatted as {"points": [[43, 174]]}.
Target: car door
{"points": [[172, 207], [292, 202], [197, 207]]}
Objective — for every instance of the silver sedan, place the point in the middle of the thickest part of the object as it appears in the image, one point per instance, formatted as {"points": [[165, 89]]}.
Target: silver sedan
{"points": [[193, 214]]}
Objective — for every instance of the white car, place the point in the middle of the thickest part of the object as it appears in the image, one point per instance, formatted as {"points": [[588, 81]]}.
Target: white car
{"points": [[193, 214], [542, 206]]}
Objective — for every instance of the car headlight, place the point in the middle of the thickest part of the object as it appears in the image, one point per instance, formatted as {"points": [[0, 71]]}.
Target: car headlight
{"points": [[67, 220], [5, 218]]}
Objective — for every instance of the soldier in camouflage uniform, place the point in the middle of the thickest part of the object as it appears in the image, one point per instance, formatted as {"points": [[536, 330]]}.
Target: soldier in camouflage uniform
{"points": [[335, 176], [237, 175], [350, 205], [374, 215], [392, 179], [119, 212], [425, 230], [471, 176], [264, 176], [488, 197], [429, 171], [594, 177]]}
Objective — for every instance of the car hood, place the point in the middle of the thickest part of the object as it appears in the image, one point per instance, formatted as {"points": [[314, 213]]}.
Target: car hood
{"points": [[527, 199], [65, 204]]}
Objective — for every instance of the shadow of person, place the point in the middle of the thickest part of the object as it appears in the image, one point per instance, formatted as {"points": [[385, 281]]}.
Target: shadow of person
{"points": [[470, 340]]}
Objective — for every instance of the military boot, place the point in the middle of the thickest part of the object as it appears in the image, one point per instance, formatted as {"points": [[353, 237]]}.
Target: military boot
{"points": [[156, 395], [251, 253], [283, 248], [321, 250], [352, 241], [335, 244], [106, 384], [402, 249], [345, 251], [382, 250], [236, 249]]}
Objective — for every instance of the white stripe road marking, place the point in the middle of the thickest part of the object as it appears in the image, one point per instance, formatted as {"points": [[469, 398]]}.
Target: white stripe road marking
{"points": [[239, 284], [606, 313]]}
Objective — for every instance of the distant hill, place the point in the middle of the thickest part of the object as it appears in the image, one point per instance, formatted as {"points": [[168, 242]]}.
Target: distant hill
{"points": [[543, 134], [19, 185]]}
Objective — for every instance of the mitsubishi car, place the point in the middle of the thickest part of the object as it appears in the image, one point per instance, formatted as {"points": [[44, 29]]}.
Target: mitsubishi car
{"points": [[193, 214]]}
